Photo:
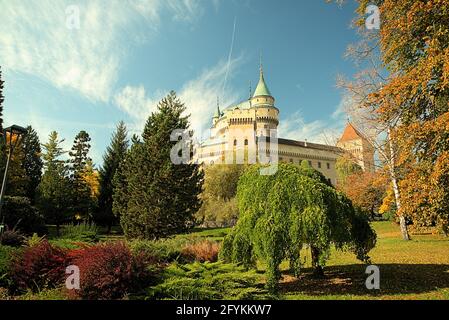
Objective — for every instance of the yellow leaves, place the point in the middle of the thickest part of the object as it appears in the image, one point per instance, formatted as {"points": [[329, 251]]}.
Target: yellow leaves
{"points": [[388, 202], [92, 178]]}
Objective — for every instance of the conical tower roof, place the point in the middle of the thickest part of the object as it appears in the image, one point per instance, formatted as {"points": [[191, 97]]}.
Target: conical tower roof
{"points": [[262, 88]]}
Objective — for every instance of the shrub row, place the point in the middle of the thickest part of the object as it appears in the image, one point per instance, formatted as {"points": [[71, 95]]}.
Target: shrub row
{"points": [[107, 271], [182, 250]]}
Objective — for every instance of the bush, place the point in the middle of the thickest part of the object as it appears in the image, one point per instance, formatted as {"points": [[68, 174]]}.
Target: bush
{"points": [[39, 267], [46, 294], [110, 271], [21, 215], [179, 249], [209, 281], [201, 251], [164, 251], [84, 232], [6, 254], [12, 238]]}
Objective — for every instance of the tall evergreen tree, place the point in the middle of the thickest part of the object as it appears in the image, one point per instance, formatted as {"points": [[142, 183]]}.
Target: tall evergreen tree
{"points": [[53, 191], [154, 197], [79, 157], [32, 162], [115, 153]]}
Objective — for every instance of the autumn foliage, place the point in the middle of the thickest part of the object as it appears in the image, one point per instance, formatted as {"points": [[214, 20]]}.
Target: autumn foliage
{"points": [[39, 267], [414, 101], [201, 251], [109, 271]]}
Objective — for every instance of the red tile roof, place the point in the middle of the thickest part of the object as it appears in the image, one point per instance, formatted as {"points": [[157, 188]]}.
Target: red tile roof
{"points": [[350, 133]]}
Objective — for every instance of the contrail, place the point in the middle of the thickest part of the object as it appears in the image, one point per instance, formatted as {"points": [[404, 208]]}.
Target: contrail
{"points": [[229, 60]]}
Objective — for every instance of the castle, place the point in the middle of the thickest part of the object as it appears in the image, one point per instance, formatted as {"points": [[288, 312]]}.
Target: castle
{"points": [[236, 130]]}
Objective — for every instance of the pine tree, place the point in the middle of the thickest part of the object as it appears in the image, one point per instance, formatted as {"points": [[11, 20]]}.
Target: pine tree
{"points": [[81, 199], [115, 153], [32, 162], [154, 197], [53, 192]]}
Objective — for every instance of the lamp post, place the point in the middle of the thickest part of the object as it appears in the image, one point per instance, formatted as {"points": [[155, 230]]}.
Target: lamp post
{"points": [[12, 137]]}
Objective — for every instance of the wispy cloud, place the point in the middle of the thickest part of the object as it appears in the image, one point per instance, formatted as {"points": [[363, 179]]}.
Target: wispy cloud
{"points": [[34, 39], [325, 131], [199, 95]]}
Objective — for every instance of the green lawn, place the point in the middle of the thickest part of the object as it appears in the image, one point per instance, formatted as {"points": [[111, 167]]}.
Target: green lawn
{"points": [[416, 269]]}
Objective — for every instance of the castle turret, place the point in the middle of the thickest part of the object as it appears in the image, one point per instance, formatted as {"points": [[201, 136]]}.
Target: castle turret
{"points": [[262, 95], [217, 113], [358, 147], [262, 102]]}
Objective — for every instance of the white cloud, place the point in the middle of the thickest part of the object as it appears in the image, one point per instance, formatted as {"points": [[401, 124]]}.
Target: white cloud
{"points": [[34, 39], [325, 131], [199, 95]]}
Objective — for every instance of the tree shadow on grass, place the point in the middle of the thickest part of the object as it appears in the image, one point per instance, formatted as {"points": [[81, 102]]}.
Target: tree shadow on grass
{"points": [[350, 280]]}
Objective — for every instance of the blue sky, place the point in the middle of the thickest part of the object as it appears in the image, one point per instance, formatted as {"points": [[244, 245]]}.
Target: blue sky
{"points": [[126, 55]]}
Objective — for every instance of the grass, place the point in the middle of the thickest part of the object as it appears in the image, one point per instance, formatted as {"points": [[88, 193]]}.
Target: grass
{"points": [[416, 269]]}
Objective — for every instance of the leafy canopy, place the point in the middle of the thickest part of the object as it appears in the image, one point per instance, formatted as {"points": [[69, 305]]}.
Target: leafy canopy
{"points": [[294, 207]]}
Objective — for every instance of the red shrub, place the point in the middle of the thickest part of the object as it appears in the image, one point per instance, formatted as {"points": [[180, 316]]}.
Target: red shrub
{"points": [[201, 251], [109, 271], [40, 266]]}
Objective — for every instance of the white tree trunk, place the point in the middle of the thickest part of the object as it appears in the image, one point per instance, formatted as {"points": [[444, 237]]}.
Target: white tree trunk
{"points": [[394, 180]]}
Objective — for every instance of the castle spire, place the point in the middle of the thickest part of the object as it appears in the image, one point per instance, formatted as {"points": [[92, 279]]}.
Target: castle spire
{"points": [[262, 88], [217, 112]]}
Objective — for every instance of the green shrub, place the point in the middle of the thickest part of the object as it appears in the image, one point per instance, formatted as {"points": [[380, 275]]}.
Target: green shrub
{"points": [[45, 294], [21, 215], [83, 232], [165, 251], [6, 255], [209, 281], [67, 243]]}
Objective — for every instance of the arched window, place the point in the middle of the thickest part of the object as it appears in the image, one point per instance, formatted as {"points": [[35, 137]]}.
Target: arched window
{"points": [[235, 142], [246, 142]]}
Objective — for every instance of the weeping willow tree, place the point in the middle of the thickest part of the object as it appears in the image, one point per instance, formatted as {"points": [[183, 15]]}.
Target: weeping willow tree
{"points": [[281, 213]]}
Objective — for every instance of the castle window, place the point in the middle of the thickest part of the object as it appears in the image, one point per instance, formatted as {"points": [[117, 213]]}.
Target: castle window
{"points": [[310, 163], [235, 142], [319, 165], [328, 165], [291, 160], [246, 142]]}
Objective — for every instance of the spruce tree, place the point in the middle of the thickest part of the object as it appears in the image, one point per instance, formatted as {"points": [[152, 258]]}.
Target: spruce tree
{"points": [[53, 192], [115, 153], [32, 162], [154, 197], [79, 157]]}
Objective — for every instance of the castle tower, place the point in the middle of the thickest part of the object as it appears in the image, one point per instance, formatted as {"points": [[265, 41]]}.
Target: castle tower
{"points": [[266, 114], [358, 147]]}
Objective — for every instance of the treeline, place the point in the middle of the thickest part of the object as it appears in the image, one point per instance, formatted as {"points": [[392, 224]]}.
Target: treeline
{"points": [[402, 95], [137, 185]]}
